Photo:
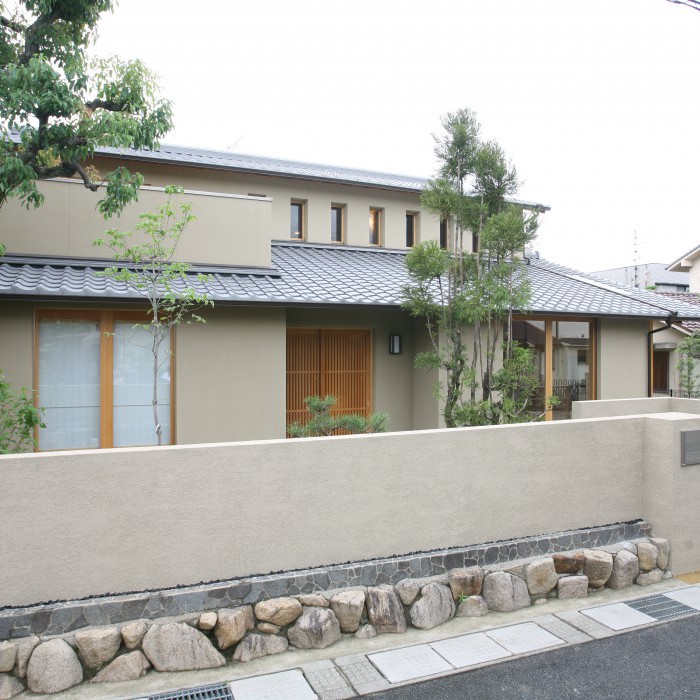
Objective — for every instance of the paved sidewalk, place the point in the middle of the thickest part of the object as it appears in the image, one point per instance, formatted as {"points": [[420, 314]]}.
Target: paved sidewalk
{"points": [[353, 667]]}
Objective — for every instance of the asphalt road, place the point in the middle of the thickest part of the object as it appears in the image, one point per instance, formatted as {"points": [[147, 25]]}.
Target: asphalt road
{"points": [[660, 662]]}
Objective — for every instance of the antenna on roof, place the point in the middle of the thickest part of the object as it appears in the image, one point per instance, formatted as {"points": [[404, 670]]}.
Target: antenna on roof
{"points": [[636, 261]]}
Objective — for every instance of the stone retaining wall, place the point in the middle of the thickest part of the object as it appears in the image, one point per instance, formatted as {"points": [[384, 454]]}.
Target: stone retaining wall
{"points": [[64, 617], [209, 639]]}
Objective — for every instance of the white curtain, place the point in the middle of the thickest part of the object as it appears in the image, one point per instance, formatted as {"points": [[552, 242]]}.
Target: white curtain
{"points": [[69, 384], [133, 386]]}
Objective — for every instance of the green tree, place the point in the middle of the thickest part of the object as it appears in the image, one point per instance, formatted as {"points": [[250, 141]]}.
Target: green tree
{"points": [[478, 283], [18, 419], [62, 105], [322, 423], [688, 352], [149, 268]]}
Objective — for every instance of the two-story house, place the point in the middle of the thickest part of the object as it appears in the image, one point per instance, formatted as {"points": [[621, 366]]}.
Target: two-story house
{"points": [[308, 266]]}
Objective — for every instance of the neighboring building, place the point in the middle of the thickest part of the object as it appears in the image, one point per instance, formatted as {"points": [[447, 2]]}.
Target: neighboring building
{"points": [[308, 267], [690, 265], [654, 276]]}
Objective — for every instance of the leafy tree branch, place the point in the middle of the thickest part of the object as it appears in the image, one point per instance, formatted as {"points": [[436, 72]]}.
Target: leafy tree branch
{"points": [[57, 105]]}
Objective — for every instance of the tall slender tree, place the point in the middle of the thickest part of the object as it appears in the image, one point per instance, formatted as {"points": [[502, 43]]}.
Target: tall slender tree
{"points": [[477, 283]]}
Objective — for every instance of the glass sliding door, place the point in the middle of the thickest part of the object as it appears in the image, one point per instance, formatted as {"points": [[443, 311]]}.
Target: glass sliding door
{"points": [[95, 375], [564, 361], [69, 383], [134, 422], [571, 364], [529, 333]]}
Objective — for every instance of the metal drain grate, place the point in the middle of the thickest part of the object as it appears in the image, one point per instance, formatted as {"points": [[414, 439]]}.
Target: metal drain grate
{"points": [[204, 692], [660, 607]]}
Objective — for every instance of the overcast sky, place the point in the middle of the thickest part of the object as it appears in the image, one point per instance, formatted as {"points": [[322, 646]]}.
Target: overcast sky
{"points": [[595, 101]]}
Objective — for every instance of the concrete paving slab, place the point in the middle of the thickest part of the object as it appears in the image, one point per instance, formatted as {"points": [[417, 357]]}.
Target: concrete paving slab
{"points": [[561, 629], [585, 624], [409, 663], [524, 638], [688, 596], [361, 674], [289, 685], [470, 650], [327, 680], [618, 616]]}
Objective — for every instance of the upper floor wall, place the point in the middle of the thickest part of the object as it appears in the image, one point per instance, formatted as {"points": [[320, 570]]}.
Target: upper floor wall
{"points": [[307, 210], [229, 229]]}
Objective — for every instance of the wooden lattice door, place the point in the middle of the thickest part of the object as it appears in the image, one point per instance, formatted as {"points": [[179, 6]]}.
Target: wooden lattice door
{"points": [[328, 361]]}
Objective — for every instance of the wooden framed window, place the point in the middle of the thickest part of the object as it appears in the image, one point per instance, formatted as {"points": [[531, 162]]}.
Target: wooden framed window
{"points": [[411, 229], [296, 220], [375, 226], [94, 373], [337, 227]]}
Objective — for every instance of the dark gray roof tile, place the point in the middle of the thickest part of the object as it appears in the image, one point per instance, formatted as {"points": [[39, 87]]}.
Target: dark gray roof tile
{"points": [[310, 274]]}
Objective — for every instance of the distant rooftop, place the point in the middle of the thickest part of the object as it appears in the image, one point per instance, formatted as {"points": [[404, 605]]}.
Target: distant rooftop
{"points": [[647, 275]]}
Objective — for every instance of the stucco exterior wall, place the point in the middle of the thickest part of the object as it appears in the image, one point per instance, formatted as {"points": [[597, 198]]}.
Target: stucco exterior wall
{"points": [[622, 359], [131, 519], [227, 230], [318, 197], [17, 343], [230, 376]]}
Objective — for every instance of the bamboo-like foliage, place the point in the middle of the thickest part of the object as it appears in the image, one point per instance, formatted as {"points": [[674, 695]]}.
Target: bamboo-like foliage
{"points": [[478, 283]]}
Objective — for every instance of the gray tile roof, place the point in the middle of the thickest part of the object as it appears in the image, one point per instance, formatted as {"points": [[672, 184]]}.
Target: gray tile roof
{"points": [[308, 274], [261, 165]]}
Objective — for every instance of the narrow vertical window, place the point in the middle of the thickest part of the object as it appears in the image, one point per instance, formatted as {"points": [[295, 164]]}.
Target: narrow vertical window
{"points": [[296, 223], [375, 222], [133, 385], [410, 230], [443, 233], [69, 383], [336, 224]]}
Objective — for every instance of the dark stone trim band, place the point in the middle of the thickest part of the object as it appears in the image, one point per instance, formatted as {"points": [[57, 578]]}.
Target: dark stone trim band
{"points": [[60, 618]]}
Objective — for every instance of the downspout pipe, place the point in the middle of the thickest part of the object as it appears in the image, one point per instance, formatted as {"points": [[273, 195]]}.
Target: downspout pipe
{"points": [[650, 380]]}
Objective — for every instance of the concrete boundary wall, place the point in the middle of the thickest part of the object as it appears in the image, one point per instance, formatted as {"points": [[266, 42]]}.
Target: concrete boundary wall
{"points": [[79, 524]]}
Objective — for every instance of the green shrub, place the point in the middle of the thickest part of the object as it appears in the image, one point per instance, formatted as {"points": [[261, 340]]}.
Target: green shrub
{"points": [[18, 418], [322, 423]]}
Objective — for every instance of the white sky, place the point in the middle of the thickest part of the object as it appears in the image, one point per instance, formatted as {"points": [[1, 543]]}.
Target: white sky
{"points": [[595, 101]]}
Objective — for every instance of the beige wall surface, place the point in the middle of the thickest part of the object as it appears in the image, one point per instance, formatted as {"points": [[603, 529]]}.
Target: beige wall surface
{"points": [[634, 407], [622, 359], [672, 492], [227, 231], [131, 519], [17, 343], [318, 196], [230, 376]]}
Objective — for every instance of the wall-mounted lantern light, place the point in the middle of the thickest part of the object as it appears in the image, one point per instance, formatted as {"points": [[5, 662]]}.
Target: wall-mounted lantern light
{"points": [[394, 344]]}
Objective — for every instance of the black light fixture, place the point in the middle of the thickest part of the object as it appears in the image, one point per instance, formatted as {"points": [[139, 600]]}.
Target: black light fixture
{"points": [[394, 344]]}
